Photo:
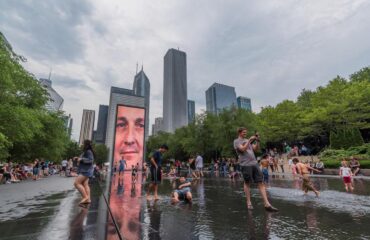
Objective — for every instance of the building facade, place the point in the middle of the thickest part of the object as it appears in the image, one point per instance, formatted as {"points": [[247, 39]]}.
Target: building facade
{"points": [[244, 103], [87, 125], [174, 90], [55, 102], [101, 129], [219, 97], [142, 88], [157, 126], [191, 111]]}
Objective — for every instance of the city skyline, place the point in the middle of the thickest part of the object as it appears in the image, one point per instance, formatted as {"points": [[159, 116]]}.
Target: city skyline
{"points": [[275, 48]]}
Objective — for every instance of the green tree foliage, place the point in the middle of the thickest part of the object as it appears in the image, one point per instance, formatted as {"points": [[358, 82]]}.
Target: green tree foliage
{"points": [[27, 130], [341, 104], [345, 138], [101, 153], [72, 150]]}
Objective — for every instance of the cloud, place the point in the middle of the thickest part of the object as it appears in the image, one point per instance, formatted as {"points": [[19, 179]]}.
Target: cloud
{"points": [[269, 51]]}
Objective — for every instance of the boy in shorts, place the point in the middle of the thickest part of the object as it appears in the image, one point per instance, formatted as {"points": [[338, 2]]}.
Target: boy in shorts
{"points": [[346, 173], [183, 191]]}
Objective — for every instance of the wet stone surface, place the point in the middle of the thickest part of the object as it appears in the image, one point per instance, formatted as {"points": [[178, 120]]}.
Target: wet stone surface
{"points": [[48, 209]]}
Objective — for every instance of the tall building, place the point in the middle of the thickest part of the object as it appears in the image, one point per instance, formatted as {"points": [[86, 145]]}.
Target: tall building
{"points": [[220, 96], [244, 103], [142, 88], [68, 124], [101, 130], [174, 91], [87, 125], [157, 126], [191, 111], [55, 102], [119, 96]]}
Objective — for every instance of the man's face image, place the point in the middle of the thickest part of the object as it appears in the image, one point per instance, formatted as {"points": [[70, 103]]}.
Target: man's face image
{"points": [[129, 139]]}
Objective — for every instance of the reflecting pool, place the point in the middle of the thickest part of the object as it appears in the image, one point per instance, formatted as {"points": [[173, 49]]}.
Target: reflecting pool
{"points": [[219, 211]]}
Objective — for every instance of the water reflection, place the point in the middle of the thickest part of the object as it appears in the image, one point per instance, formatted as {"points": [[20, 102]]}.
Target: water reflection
{"points": [[126, 205]]}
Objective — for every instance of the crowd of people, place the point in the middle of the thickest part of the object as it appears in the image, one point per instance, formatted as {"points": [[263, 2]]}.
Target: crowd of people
{"points": [[14, 173]]}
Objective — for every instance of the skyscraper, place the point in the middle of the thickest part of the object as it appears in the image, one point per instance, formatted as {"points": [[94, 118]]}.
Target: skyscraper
{"points": [[220, 96], [191, 111], [244, 103], [157, 126], [101, 130], [142, 88], [174, 91], [87, 125], [55, 103]]}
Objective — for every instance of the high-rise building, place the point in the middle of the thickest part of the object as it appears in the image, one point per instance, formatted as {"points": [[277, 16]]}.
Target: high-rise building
{"points": [[142, 88], [87, 125], [191, 111], [220, 96], [68, 124], [101, 130], [157, 126], [174, 91], [55, 102], [244, 103]]}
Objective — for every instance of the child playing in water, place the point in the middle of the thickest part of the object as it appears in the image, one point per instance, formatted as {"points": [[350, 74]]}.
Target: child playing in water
{"points": [[346, 173], [265, 169], [303, 169], [183, 192]]}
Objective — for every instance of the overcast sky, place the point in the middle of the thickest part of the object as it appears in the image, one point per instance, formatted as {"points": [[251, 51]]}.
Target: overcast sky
{"points": [[268, 50]]}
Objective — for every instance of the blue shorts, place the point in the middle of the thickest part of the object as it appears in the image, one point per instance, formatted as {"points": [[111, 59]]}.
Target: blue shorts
{"points": [[265, 173], [182, 193], [35, 171]]}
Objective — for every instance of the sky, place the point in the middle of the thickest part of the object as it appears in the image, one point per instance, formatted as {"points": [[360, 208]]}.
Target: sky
{"points": [[268, 50]]}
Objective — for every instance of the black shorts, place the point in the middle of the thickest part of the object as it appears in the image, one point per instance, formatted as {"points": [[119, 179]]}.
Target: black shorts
{"points": [[156, 174], [64, 169], [252, 174]]}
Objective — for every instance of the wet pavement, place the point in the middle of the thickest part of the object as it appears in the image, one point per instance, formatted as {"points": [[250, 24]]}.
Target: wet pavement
{"points": [[48, 209]]}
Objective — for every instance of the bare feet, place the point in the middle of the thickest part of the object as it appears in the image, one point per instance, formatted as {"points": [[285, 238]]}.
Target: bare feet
{"points": [[148, 197], [250, 206], [156, 198], [85, 201], [317, 194]]}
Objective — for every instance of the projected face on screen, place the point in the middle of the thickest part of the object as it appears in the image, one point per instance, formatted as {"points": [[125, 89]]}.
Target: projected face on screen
{"points": [[129, 137]]}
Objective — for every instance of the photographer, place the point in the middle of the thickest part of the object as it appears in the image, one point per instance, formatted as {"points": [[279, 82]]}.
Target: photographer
{"points": [[245, 149]]}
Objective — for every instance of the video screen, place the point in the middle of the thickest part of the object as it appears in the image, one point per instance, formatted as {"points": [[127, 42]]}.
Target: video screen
{"points": [[129, 137], [125, 187]]}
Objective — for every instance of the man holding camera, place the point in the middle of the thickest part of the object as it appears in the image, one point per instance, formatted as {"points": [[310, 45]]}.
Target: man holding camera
{"points": [[245, 149]]}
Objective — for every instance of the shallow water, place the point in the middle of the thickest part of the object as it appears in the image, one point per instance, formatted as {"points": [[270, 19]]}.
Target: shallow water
{"points": [[219, 211]]}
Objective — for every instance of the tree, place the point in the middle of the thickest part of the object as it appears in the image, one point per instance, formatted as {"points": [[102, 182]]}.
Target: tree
{"points": [[101, 154]]}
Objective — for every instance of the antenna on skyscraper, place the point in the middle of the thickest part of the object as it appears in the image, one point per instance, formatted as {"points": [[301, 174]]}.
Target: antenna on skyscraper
{"points": [[142, 66], [137, 66], [50, 73]]}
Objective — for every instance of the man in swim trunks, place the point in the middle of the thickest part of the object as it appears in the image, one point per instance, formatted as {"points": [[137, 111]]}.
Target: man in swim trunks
{"points": [[303, 169], [183, 192]]}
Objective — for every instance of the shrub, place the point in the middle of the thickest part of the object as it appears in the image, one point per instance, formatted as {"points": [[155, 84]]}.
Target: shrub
{"points": [[345, 138]]}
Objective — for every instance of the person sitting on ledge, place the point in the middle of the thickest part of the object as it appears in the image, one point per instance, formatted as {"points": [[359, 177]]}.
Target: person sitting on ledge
{"points": [[354, 165], [183, 192]]}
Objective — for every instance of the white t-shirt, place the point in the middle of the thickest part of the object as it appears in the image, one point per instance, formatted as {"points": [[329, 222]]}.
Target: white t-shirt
{"points": [[346, 171], [199, 161], [64, 163]]}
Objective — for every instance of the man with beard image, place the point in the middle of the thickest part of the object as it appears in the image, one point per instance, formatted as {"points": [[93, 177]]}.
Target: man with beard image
{"points": [[129, 137]]}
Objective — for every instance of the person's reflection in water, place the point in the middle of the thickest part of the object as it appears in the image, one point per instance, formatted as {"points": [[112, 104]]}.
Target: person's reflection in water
{"points": [[311, 219], [267, 225], [120, 188], [76, 226], [251, 226], [155, 221], [133, 190]]}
